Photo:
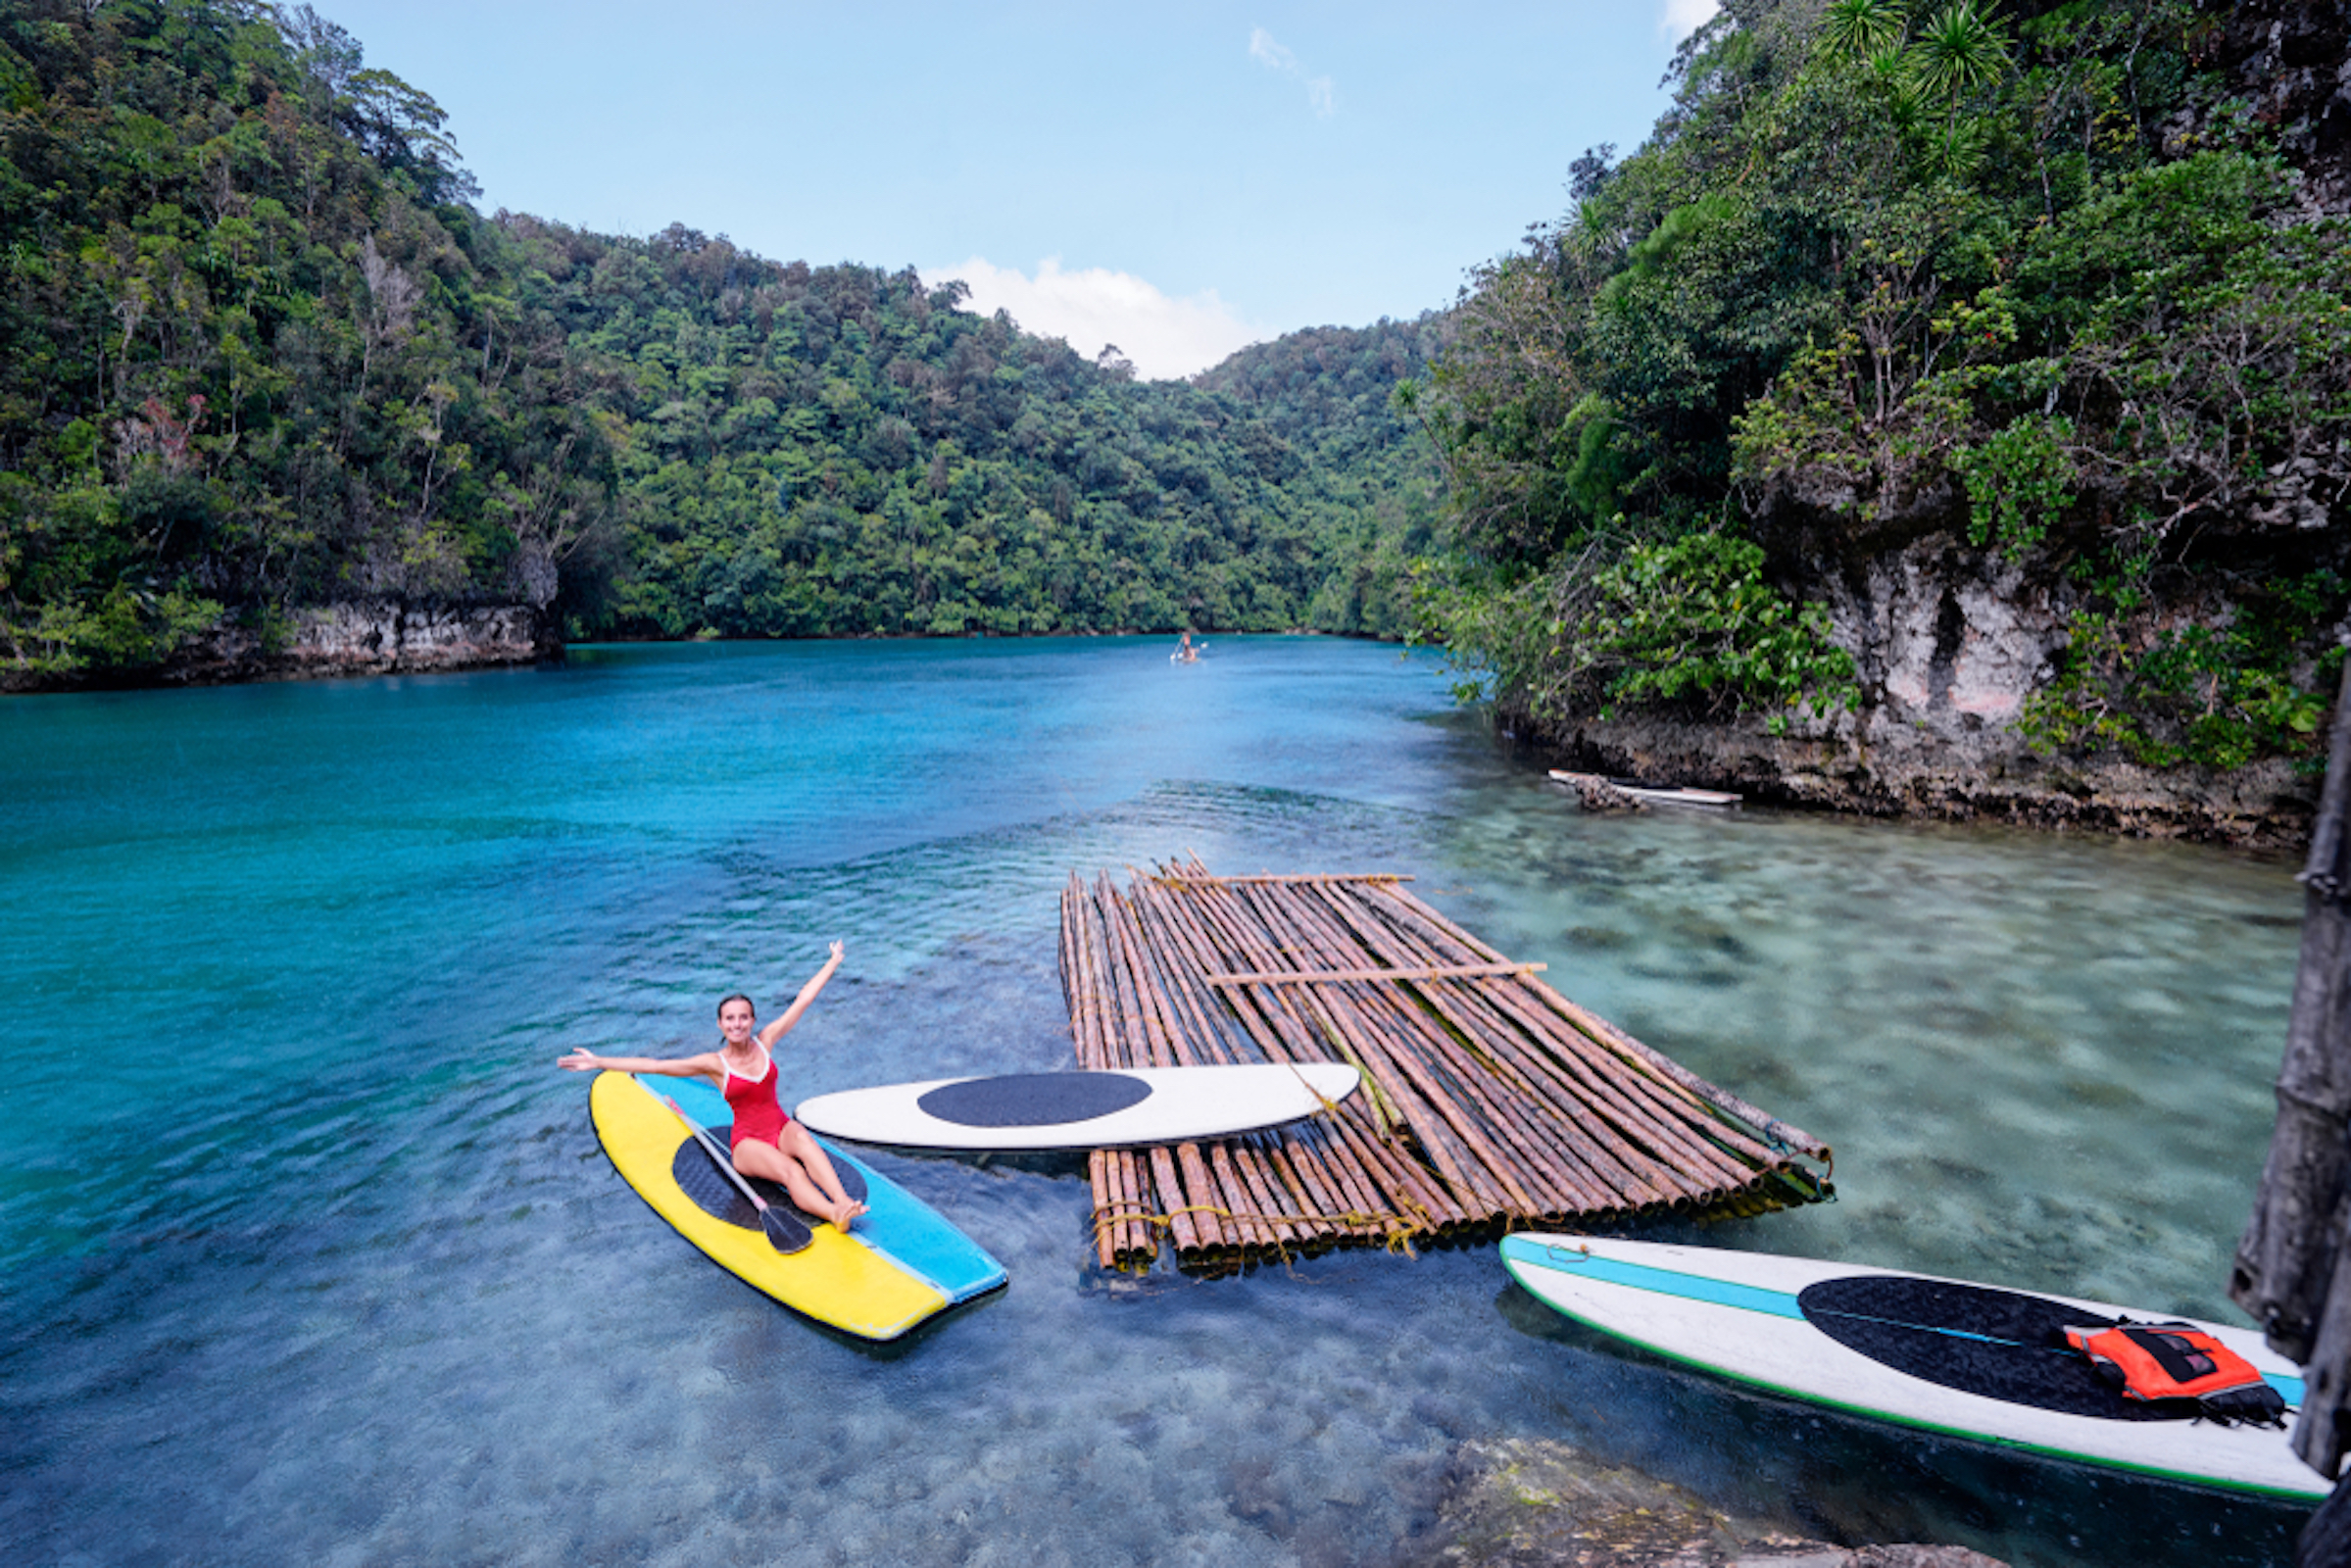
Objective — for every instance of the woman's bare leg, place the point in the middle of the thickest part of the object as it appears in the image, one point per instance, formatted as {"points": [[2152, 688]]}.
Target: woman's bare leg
{"points": [[797, 1145], [806, 1177], [755, 1158]]}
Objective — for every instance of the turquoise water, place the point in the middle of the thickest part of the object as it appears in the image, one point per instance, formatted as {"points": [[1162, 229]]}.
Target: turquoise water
{"points": [[310, 1255]]}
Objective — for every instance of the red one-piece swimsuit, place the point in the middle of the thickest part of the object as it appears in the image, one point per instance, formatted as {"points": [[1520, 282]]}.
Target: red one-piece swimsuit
{"points": [[758, 1112]]}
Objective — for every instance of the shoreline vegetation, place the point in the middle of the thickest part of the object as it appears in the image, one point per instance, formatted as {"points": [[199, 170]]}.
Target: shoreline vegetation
{"points": [[1939, 415]]}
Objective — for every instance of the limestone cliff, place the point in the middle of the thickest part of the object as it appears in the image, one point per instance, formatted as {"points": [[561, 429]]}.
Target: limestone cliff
{"points": [[1948, 642], [367, 637]]}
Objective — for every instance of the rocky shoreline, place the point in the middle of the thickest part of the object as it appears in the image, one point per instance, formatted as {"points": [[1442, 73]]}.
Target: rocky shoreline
{"points": [[2268, 807], [1949, 645], [357, 637]]}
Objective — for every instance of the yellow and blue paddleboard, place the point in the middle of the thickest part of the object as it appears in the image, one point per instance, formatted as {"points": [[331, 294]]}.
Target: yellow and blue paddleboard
{"points": [[900, 1264]]}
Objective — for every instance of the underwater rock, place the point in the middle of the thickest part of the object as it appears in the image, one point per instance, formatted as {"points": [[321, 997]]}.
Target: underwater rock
{"points": [[1524, 1504]]}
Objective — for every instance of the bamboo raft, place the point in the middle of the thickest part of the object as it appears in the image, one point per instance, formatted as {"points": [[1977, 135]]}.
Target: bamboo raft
{"points": [[1490, 1102]]}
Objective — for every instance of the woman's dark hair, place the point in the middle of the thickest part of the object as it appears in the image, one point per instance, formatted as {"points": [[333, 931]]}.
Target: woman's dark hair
{"points": [[739, 996]]}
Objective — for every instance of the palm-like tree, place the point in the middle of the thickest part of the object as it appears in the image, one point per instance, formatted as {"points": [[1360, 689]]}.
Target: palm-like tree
{"points": [[1861, 29], [1959, 50]]}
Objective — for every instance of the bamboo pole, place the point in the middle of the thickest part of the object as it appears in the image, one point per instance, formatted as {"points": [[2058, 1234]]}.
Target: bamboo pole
{"points": [[1437, 1116], [1173, 923], [1574, 1164], [1318, 977], [1467, 1007], [1652, 1122], [1201, 877], [1344, 1028], [1187, 1000], [1192, 1042], [1547, 1147], [1097, 1178], [1133, 1039], [1657, 1107], [1340, 1152], [1289, 1155], [1400, 1104], [1107, 1239], [1126, 1238], [1204, 1191], [1477, 1081], [1435, 1039]]}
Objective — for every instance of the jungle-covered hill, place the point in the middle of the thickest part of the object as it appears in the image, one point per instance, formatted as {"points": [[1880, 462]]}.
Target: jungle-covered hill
{"points": [[1941, 380], [1970, 377], [260, 353]]}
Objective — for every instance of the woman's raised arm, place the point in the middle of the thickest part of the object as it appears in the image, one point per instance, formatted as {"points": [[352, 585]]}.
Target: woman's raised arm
{"points": [[799, 1003]]}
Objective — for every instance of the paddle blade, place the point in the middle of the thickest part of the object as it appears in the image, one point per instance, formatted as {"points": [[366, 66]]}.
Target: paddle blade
{"points": [[786, 1232]]}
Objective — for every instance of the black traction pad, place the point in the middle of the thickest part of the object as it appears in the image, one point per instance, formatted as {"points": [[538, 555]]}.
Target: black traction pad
{"points": [[1034, 1099], [702, 1181], [1998, 1344]]}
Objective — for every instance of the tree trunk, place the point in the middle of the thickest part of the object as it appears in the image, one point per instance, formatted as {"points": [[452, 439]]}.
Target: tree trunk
{"points": [[2287, 1264], [2326, 1540]]}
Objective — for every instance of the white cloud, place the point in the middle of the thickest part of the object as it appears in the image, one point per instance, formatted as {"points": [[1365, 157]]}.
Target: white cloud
{"points": [[1679, 19], [1320, 91], [1092, 306]]}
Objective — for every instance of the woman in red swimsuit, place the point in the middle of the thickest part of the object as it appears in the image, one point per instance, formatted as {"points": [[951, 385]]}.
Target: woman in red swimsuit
{"points": [[767, 1142]]}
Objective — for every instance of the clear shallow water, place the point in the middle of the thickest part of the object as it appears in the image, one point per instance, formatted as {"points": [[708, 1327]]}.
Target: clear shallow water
{"points": [[307, 1256]]}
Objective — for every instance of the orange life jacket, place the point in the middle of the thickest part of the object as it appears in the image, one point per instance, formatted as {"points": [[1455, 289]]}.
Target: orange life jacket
{"points": [[2155, 1361]]}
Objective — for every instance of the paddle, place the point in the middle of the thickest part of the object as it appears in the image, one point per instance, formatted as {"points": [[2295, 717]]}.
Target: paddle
{"points": [[782, 1234]]}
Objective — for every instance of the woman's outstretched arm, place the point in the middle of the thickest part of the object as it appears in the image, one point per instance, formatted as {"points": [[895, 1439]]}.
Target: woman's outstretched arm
{"points": [[704, 1065], [799, 1003]]}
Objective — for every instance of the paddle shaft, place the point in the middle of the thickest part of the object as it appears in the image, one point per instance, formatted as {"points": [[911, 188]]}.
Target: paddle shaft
{"points": [[726, 1165]]}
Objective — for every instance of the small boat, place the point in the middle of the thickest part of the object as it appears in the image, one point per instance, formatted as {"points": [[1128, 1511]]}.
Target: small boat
{"points": [[1652, 794]]}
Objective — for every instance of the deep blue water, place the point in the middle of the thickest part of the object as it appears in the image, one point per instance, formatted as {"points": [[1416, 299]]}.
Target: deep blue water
{"points": [[309, 1255]]}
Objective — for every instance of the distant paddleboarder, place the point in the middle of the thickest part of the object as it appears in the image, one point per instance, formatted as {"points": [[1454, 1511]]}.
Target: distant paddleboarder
{"points": [[767, 1144]]}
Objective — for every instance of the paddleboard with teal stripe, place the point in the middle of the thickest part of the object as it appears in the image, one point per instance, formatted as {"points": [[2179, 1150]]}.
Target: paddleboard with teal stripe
{"points": [[1968, 1360], [897, 1265]]}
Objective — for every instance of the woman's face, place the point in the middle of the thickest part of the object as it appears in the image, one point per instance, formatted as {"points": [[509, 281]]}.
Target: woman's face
{"points": [[735, 1022]]}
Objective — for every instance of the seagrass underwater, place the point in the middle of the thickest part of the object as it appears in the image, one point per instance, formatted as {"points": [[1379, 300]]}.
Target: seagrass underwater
{"points": [[323, 1263]]}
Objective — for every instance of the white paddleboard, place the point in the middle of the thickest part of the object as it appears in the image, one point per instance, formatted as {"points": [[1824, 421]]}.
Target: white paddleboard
{"points": [[1840, 1334], [1089, 1109]]}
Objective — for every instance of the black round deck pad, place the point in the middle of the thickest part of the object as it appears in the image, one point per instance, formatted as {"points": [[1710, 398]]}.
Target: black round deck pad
{"points": [[1997, 1344], [703, 1181], [1034, 1099]]}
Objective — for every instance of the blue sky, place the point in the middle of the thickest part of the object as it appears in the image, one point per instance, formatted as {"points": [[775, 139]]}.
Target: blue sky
{"points": [[1179, 179]]}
